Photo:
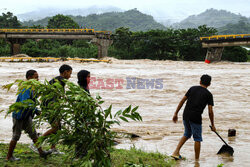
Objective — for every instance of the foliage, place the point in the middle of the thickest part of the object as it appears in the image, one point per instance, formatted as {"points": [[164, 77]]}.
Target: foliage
{"points": [[7, 20], [119, 157], [30, 158], [236, 54], [220, 165], [189, 45], [42, 22], [35, 27], [41, 48], [61, 21], [155, 44], [110, 21], [248, 55], [139, 158], [4, 48], [123, 41], [65, 51], [81, 44], [48, 44], [182, 44], [84, 124], [53, 48]]}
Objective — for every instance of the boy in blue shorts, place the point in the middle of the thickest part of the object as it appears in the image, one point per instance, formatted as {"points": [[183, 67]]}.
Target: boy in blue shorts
{"points": [[197, 98], [22, 120]]}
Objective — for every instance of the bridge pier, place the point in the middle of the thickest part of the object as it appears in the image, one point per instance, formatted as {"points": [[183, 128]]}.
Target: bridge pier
{"points": [[16, 45], [103, 45], [214, 54]]}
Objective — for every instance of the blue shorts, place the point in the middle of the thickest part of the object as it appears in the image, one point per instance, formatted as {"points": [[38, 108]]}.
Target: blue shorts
{"points": [[193, 129]]}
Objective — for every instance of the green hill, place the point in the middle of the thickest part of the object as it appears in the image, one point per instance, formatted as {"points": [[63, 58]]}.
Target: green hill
{"points": [[133, 19], [226, 22], [212, 18], [242, 27], [42, 22]]}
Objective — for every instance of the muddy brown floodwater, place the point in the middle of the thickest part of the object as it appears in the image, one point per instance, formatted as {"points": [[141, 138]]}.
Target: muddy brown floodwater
{"points": [[230, 87]]}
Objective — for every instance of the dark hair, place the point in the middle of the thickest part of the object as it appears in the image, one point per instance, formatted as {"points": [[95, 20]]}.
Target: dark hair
{"points": [[82, 79], [30, 73], [206, 80], [64, 67]]}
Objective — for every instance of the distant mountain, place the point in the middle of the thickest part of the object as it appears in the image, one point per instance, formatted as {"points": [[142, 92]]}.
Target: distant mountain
{"points": [[226, 22], [43, 22], [48, 12], [212, 18], [242, 27], [133, 19]]}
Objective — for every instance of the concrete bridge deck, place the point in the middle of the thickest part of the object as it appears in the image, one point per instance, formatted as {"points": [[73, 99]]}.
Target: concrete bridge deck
{"points": [[215, 44], [18, 36], [54, 34], [225, 40]]}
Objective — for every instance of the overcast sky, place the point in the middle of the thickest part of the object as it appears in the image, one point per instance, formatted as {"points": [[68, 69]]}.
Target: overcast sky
{"points": [[157, 8]]}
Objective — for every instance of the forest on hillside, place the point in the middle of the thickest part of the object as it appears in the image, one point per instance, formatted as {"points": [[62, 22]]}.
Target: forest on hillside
{"points": [[225, 22], [110, 21], [212, 18]]}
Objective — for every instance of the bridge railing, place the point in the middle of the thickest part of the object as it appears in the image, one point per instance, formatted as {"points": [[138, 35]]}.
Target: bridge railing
{"points": [[103, 32], [91, 31], [219, 37], [57, 30], [47, 30]]}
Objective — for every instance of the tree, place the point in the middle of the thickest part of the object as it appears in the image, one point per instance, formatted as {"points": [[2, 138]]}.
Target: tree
{"points": [[123, 41], [248, 55], [235, 53], [48, 44], [81, 44], [189, 42], [83, 121], [30, 48], [9, 21], [155, 44], [182, 44], [37, 27], [4, 48], [61, 21]]}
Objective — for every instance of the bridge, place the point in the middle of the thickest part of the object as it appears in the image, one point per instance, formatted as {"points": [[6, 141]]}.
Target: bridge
{"points": [[16, 37], [215, 44]]}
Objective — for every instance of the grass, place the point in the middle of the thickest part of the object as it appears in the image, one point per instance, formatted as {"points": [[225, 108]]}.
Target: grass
{"points": [[133, 156], [120, 158], [29, 158]]}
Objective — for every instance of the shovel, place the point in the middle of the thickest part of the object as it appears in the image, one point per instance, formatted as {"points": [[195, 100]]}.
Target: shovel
{"points": [[225, 148]]}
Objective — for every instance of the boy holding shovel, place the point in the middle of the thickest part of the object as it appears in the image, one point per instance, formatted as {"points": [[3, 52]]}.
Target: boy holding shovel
{"points": [[197, 98]]}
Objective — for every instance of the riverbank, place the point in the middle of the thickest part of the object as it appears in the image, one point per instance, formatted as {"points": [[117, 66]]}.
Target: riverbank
{"points": [[120, 158]]}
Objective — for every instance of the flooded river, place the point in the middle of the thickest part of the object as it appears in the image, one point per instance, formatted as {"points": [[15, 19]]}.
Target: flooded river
{"points": [[166, 83]]}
